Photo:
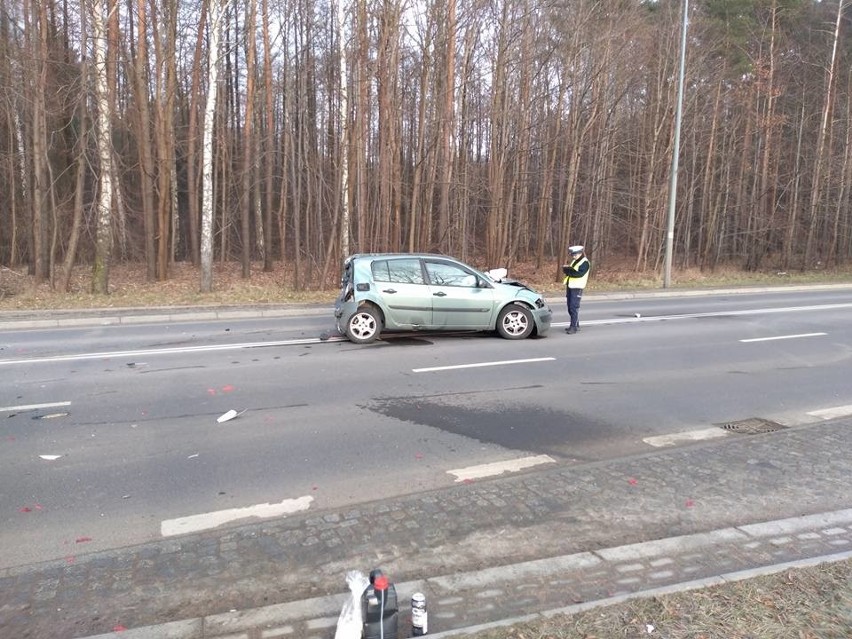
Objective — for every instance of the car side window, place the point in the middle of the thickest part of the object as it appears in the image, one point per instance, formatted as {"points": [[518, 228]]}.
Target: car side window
{"points": [[444, 274], [402, 271]]}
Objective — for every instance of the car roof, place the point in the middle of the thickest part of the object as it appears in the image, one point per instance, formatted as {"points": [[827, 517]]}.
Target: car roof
{"points": [[375, 256]]}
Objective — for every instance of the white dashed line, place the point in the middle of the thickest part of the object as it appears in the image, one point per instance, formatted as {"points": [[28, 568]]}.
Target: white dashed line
{"points": [[673, 439], [777, 337], [482, 364], [498, 468], [195, 523], [9, 409], [832, 413]]}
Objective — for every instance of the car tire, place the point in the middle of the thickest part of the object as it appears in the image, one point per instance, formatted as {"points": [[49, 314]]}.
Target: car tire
{"points": [[515, 322], [363, 326]]}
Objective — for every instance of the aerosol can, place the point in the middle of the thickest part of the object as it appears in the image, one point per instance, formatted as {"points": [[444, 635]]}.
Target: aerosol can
{"points": [[419, 616]]}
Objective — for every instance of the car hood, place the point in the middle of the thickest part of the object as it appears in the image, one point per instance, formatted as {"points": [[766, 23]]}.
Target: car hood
{"points": [[498, 275]]}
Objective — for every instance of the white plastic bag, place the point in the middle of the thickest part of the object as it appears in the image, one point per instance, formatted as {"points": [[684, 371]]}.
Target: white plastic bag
{"points": [[350, 623]]}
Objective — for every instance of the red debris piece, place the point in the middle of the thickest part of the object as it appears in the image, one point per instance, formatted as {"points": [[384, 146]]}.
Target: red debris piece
{"points": [[227, 389], [70, 559], [632, 481], [83, 540], [689, 503], [211, 391], [25, 509], [118, 628]]}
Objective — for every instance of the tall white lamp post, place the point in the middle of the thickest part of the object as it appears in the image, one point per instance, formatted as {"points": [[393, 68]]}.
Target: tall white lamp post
{"points": [[667, 274]]}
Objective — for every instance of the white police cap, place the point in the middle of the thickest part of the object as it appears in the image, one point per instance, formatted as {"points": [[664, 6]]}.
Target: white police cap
{"points": [[577, 248]]}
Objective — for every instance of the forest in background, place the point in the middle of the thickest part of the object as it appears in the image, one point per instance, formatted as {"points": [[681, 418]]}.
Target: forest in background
{"points": [[290, 133]]}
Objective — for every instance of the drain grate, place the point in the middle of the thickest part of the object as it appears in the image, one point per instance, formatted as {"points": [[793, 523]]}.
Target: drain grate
{"points": [[752, 426]]}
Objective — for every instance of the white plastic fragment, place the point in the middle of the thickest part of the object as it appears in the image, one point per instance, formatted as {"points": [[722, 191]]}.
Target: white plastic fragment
{"points": [[193, 456], [50, 457], [227, 416], [649, 628], [350, 623]]}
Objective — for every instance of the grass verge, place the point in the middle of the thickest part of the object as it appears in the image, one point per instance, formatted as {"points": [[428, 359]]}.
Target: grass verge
{"points": [[803, 603], [130, 288]]}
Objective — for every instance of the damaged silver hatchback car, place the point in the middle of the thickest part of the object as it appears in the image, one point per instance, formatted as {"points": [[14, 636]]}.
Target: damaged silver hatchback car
{"points": [[411, 292]]}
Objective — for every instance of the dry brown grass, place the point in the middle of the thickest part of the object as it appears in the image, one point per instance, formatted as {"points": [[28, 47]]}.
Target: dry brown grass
{"points": [[129, 287], [805, 603]]}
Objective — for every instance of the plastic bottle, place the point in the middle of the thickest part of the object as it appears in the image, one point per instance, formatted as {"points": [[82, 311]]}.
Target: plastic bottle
{"points": [[380, 608]]}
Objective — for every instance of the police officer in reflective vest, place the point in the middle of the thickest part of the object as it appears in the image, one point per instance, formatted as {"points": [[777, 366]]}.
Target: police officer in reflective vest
{"points": [[576, 276]]}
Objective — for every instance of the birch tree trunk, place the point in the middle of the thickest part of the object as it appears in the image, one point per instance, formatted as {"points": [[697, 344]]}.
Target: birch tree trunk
{"points": [[103, 217], [828, 103], [214, 54]]}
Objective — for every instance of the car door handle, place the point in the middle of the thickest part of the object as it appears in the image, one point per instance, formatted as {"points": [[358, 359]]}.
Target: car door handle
{"points": [[389, 290], [439, 294]]}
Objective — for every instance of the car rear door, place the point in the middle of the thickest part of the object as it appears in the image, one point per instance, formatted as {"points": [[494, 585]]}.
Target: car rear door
{"points": [[402, 288]]}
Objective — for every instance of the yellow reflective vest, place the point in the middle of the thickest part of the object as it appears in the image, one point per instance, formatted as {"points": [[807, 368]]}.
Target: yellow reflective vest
{"points": [[578, 281]]}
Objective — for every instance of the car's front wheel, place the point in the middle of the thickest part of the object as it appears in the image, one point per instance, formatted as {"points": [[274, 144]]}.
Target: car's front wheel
{"points": [[515, 322], [364, 326]]}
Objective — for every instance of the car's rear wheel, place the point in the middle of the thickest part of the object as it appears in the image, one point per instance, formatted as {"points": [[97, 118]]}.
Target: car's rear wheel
{"points": [[515, 322], [364, 326]]}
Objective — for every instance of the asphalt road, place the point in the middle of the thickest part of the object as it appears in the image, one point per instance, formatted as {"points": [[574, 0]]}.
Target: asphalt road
{"points": [[111, 433]]}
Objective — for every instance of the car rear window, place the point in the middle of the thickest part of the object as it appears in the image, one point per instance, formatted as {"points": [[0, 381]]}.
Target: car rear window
{"points": [[402, 271]]}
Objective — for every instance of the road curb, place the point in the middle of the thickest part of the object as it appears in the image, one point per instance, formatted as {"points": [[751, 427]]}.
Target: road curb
{"points": [[70, 318], [319, 614], [696, 584]]}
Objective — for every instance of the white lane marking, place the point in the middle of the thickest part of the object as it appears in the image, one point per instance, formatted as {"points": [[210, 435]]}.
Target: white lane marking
{"points": [[8, 409], [756, 311], [673, 439], [481, 364], [159, 351], [498, 468], [205, 521], [832, 413], [777, 337]]}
